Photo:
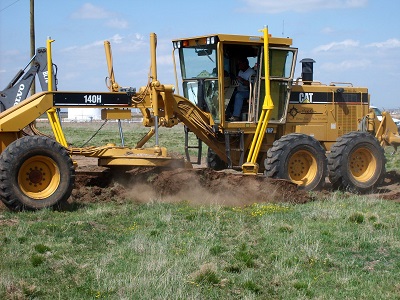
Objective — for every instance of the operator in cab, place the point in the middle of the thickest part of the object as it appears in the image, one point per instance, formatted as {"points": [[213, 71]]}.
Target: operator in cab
{"points": [[243, 90]]}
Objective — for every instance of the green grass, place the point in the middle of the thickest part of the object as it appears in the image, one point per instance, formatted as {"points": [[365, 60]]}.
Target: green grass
{"points": [[339, 247], [393, 159], [319, 250]]}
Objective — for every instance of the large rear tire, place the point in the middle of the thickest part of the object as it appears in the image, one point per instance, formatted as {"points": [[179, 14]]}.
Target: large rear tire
{"points": [[35, 172], [299, 158], [356, 163]]}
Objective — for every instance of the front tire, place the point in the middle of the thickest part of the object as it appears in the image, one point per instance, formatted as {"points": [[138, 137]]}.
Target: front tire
{"points": [[356, 163], [299, 158], [35, 172]]}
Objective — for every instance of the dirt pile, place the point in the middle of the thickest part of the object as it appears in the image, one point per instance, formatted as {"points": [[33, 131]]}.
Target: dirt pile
{"points": [[390, 189], [206, 186], [196, 186], [200, 186]]}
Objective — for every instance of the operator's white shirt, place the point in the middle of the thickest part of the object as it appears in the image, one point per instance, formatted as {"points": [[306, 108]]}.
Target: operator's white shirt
{"points": [[246, 76]]}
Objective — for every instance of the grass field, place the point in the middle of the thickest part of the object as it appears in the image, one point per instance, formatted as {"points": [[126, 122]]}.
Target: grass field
{"points": [[340, 246]]}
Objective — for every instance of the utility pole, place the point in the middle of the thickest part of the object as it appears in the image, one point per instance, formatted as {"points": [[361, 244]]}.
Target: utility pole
{"points": [[32, 27]]}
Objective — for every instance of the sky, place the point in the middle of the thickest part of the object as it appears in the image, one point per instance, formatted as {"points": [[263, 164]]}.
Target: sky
{"points": [[352, 41]]}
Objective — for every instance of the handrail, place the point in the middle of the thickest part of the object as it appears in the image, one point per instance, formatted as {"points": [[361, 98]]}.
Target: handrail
{"points": [[251, 166]]}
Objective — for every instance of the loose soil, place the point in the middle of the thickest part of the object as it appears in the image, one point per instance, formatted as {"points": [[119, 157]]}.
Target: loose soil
{"points": [[196, 186]]}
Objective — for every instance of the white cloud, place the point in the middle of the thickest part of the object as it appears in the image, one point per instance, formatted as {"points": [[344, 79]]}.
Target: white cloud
{"points": [[117, 23], [346, 65], [90, 11], [388, 44], [69, 49], [139, 36], [95, 44], [337, 46], [77, 49], [119, 43], [116, 39], [273, 6]]}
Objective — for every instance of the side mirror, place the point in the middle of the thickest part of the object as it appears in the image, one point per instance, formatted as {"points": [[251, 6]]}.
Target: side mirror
{"points": [[204, 52]]}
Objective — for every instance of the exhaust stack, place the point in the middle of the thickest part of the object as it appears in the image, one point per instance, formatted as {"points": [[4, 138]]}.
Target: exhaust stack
{"points": [[307, 66]]}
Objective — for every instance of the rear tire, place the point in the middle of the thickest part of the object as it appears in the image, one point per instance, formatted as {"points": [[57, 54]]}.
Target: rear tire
{"points": [[356, 163], [35, 172], [299, 158], [214, 161]]}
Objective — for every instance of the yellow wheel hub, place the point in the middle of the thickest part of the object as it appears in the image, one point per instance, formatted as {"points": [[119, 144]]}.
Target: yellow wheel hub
{"points": [[302, 168], [362, 164], [39, 177]]}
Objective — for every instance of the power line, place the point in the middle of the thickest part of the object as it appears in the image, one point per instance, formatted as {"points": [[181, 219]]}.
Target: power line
{"points": [[9, 5]]}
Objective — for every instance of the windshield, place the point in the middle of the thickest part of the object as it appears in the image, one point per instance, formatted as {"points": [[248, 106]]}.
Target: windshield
{"points": [[199, 62], [199, 75]]}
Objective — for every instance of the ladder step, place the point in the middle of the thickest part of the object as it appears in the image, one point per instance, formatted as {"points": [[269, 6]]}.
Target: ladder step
{"points": [[199, 147], [228, 148]]}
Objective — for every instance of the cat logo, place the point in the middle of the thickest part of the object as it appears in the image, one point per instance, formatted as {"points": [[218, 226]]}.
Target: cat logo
{"points": [[305, 97]]}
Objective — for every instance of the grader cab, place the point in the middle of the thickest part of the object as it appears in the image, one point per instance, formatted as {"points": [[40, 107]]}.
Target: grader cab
{"points": [[294, 129]]}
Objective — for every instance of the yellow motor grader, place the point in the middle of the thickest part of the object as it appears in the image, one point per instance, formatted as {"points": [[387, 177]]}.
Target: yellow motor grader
{"points": [[295, 129]]}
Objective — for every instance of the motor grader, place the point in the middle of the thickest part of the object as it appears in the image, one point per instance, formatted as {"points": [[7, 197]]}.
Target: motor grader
{"points": [[295, 129]]}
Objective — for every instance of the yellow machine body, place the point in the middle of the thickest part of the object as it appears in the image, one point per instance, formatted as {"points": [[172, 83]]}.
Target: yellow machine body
{"points": [[295, 129]]}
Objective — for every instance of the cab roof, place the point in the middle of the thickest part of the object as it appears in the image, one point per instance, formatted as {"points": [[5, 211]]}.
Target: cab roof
{"points": [[247, 39]]}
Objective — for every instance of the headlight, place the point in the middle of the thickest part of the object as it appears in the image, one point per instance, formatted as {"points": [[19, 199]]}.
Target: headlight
{"points": [[211, 40], [177, 44]]}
